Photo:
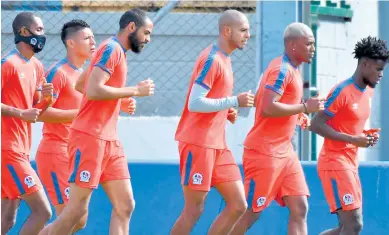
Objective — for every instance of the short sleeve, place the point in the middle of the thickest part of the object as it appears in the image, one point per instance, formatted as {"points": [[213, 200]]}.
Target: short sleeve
{"points": [[207, 70], [58, 79], [334, 102], [109, 57], [278, 79], [7, 71]]}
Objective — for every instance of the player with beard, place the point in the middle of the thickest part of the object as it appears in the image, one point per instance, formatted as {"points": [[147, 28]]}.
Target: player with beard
{"points": [[96, 155], [342, 125]]}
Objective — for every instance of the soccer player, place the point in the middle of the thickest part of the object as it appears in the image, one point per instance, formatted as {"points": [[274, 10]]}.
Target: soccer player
{"points": [[52, 157], [22, 86], [205, 160], [96, 155], [272, 170], [342, 125]]}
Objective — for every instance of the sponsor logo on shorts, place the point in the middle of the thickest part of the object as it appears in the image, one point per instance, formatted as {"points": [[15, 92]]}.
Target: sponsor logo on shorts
{"points": [[348, 199], [197, 178], [261, 201], [67, 192], [29, 181], [84, 176]]}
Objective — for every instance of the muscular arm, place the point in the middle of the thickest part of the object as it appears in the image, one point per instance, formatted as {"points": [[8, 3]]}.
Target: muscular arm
{"points": [[97, 90], [199, 103], [9, 111], [272, 108], [320, 127], [53, 115]]}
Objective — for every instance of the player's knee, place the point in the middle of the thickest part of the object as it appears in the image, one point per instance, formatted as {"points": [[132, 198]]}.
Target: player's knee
{"points": [[80, 225], [125, 209], [44, 212], [7, 222], [355, 225], [300, 211], [238, 208], [194, 211]]}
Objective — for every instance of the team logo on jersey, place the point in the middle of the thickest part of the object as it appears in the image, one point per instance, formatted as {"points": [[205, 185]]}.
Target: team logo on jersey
{"points": [[29, 181], [84, 176], [348, 199], [67, 192], [197, 178], [355, 106], [261, 201], [21, 75]]}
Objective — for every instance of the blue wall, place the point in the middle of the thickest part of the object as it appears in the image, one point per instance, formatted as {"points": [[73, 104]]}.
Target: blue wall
{"points": [[159, 202]]}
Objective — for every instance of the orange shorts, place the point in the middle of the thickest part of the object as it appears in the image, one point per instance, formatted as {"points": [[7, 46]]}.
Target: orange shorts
{"points": [[53, 170], [202, 168], [17, 175], [342, 189], [271, 178], [93, 161]]}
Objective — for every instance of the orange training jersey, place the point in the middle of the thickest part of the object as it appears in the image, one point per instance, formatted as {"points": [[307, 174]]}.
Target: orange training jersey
{"points": [[99, 117], [63, 75], [272, 135], [213, 71], [349, 107], [20, 79]]}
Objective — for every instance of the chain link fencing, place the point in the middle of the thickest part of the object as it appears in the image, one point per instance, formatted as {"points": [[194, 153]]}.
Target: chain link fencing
{"points": [[178, 38]]}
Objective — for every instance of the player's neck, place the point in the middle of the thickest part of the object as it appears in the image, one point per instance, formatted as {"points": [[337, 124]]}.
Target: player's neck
{"points": [[295, 62], [25, 50], [358, 79], [224, 46], [75, 60], [123, 40]]}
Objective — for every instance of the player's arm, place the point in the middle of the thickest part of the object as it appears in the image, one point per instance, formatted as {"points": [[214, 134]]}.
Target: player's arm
{"points": [[10, 111], [80, 83], [274, 89], [198, 101], [320, 127], [53, 115], [97, 90]]}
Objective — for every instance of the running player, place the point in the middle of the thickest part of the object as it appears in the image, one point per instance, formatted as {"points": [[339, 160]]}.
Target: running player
{"points": [[52, 157], [205, 160], [96, 155], [272, 170], [21, 79], [342, 125]]}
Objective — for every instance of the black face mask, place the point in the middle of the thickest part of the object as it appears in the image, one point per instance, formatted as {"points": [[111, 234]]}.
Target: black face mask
{"points": [[37, 42]]}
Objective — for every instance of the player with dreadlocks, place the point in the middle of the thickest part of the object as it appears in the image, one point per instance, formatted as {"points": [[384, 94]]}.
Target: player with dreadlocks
{"points": [[342, 125]]}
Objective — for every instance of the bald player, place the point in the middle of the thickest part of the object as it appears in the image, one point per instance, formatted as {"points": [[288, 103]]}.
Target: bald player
{"points": [[272, 170], [22, 86], [205, 160]]}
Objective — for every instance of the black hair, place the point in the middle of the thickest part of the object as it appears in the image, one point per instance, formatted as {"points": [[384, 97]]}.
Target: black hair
{"points": [[372, 48], [135, 15], [23, 19], [72, 27]]}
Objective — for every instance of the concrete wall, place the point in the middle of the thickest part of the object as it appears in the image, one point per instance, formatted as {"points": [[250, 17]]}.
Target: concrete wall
{"points": [[159, 201]]}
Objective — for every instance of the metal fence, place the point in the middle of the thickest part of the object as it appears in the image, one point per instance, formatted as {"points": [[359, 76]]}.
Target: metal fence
{"points": [[177, 39]]}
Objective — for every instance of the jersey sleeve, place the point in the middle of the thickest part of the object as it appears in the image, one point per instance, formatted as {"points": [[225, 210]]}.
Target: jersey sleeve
{"points": [[207, 71], [278, 79], [7, 71], [108, 58], [58, 79], [334, 102]]}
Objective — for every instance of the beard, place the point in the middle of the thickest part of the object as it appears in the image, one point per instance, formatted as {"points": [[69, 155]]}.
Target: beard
{"points": [[135, 44]]}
